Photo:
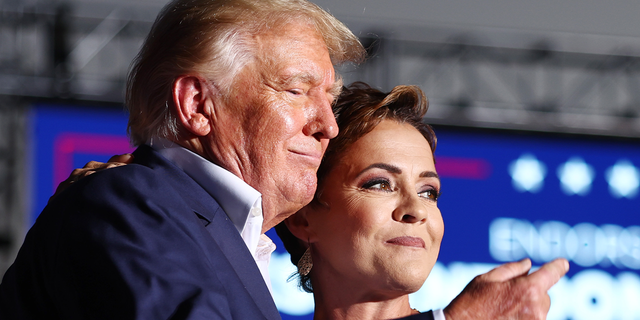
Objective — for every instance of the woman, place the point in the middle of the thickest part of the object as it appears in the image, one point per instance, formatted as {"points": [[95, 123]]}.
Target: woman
{"points": [[372, 233]]}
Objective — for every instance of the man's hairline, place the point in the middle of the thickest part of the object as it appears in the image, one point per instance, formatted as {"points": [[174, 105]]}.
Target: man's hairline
{"points": [[252, 49]]}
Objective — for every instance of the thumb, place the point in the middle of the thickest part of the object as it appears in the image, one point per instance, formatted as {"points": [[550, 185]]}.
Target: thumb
{"points": [[508, 271]]}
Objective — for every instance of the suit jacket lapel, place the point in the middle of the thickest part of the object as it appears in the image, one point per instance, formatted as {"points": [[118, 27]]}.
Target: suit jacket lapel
{"points": [[227, 238], [220, 229]]}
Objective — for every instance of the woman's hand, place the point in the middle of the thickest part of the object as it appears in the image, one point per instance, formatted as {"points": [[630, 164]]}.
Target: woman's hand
{"points": [[92, 167]]}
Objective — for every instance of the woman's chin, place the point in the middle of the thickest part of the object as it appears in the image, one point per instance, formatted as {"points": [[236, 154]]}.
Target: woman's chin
{"points": [[408, 280]]}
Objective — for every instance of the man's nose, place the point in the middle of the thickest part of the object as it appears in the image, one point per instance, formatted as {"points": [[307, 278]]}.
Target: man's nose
{"points": [[322, 123]]}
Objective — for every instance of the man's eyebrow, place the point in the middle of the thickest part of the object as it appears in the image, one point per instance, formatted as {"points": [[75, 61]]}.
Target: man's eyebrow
{"points": [[383, 166], [311, 78], [336, 88], [303, 77]]}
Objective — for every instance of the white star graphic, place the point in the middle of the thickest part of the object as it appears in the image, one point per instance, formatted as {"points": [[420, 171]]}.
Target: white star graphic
{"points": [[624, 179], [527, 173], [576, 176]]}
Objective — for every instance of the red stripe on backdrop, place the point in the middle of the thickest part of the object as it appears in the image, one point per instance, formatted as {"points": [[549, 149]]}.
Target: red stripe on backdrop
{"points": [[68, 143], [463, 168]]}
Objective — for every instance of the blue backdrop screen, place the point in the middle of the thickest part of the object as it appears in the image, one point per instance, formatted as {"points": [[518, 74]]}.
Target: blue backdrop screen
{"points": [[506, 196]]}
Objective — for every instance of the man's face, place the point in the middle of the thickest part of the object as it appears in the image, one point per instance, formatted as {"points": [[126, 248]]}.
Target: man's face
{"points": [[277, 121]]}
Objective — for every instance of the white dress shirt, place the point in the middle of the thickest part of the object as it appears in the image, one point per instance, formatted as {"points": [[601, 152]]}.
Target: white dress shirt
{"points": [[241, 202]]}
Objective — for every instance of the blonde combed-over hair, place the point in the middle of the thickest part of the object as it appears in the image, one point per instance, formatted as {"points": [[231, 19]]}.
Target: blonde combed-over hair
{"points": [[213, 38]]}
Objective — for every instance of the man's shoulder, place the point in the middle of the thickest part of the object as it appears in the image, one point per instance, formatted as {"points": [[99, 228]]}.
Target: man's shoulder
{"points": [[147, 165], [136, 199], [127, 177], [149, 174], [151, 185]]}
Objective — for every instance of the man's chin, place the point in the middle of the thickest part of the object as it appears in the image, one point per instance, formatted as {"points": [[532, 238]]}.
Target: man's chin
{"points": [[307, 189], [276, 214]]}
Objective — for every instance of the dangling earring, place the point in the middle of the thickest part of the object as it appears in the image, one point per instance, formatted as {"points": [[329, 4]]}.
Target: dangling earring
{"points": [[305, 263]]}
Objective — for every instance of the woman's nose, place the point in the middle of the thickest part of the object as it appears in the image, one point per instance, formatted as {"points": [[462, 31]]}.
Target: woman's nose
{"points": [[411, 209]]}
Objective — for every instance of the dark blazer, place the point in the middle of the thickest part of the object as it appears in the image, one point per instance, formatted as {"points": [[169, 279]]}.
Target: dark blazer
{"points": [[422, 316], [142, 241]]}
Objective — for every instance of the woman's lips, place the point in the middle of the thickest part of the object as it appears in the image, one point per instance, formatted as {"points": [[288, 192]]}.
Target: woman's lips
{"points": [[407, 241]]}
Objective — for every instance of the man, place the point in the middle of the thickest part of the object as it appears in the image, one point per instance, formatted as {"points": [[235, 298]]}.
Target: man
{"points": [[230, 102]]}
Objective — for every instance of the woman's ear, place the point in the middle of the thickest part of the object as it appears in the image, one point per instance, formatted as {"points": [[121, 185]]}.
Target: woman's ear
{"points": [[192, 104], [299, 225]]}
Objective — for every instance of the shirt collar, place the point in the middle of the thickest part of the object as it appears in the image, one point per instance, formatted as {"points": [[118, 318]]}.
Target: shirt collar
{"points": [[238, 199], [241, 202]]}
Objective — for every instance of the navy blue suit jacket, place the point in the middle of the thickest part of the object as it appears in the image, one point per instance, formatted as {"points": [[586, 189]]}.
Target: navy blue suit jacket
{"points": [[421, 316], [142, 241]]}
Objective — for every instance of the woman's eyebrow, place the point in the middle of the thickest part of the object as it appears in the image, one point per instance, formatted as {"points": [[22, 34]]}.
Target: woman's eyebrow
{"points": [[393, 169], [429, 174], [383, 166]]}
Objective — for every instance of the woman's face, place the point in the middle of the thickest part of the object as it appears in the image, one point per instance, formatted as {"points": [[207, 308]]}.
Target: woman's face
{"points": [[381, 226]]}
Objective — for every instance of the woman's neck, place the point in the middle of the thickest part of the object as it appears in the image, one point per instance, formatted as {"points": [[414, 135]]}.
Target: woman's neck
{"points": [[342, 303]]}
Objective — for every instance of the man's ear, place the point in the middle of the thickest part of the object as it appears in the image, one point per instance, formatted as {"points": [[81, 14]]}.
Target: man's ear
{"points": [[299, 225], [192, 104]]}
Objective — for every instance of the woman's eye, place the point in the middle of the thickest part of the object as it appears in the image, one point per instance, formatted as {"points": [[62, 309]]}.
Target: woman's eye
{"points": [[430, 194], [295, 92], [378, 184]]}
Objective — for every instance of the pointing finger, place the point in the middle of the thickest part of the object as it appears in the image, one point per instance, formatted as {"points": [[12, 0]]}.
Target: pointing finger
{"points": [[550, 273], [508, 271]]}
